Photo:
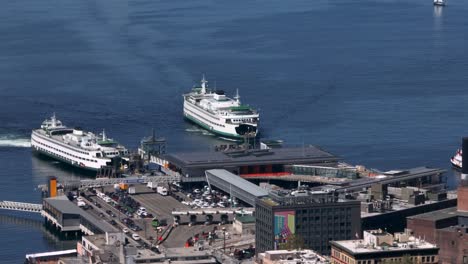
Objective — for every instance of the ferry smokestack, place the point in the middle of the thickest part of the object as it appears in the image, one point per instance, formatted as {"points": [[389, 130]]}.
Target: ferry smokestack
{"points": [[464, 175], [52, 186]]}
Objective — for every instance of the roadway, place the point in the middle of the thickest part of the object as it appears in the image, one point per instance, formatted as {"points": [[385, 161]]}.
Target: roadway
{"points": [[118, 218], [158, 205], [161, 207]]}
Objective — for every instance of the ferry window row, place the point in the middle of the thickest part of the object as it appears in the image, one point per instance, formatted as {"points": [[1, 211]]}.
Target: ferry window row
{"points": [[203, 110], [64, 145], [251, 120], [59, 150], [213, 123]]}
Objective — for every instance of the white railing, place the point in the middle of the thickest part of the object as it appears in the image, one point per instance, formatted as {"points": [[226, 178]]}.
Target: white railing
{"points": [[129, 180], [17, 206]]}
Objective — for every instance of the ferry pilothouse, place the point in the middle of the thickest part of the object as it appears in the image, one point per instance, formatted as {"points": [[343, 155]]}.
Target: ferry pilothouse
{"points": [[457, 159], [74, 146], [222, 115]]}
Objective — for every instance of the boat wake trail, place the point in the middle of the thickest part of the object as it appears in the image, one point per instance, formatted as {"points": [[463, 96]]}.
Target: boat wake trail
{"points": [[195, 130], [14, 141]]}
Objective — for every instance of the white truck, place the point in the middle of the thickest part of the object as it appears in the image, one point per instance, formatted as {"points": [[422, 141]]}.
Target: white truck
{"points": [[161, 190], [151, 185]]}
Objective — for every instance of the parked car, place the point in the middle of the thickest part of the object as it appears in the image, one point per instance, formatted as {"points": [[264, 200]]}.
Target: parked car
{"points": [[135, 228], [136, 237]]}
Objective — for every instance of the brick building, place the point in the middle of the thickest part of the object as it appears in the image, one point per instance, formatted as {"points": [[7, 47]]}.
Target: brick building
{"points": [[446, 228]]}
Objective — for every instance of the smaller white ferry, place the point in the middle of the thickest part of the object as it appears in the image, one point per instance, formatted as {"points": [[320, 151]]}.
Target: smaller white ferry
{"points": [[457, 159], [220, 114], [439, 2], [74, 146]]}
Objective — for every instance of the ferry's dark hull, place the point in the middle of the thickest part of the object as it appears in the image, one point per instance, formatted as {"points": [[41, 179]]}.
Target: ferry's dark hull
{"points": [[240, 129]]}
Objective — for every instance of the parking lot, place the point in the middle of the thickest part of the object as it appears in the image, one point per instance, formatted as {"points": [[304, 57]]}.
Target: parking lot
{"points": [[106, 212], [123, 211], [160, 206]]}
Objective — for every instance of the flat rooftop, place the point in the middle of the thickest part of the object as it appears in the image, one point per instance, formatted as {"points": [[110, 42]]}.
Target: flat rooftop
{"points": [[437, 215], [65, 206], [294, 256], [399, 205], [386, 178], [440, 214], [62, 204], [177, 255], [462, 229], [358, 246], [272, 156]]}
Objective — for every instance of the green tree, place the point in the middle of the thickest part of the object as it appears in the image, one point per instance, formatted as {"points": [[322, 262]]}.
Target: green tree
{"points": [[293, 242]]}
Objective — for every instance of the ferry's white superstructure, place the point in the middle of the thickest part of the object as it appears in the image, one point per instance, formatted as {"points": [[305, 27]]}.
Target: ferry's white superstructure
{"points": [[216, 112], [74, 146], [457, 159]]}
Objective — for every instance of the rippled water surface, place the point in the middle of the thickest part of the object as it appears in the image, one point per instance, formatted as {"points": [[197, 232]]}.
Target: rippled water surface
{"points": [[381, 83]]}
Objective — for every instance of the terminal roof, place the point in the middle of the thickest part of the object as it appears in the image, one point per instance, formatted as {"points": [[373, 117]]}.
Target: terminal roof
{"points": [[238, 182], [65, 206], [62, 204], [271, 156]]}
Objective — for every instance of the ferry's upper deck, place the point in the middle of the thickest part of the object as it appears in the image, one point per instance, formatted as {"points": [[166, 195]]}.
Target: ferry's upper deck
{"points": [[217, 102], [54, 129]]}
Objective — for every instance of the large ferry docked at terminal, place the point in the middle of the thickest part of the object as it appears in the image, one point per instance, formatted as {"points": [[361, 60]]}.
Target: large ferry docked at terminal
{"points": [[222, 115], [74, 146]]}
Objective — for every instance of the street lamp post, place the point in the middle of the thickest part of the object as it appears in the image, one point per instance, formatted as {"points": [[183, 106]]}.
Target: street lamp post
{"points": [[144, 226], [224, 239]]}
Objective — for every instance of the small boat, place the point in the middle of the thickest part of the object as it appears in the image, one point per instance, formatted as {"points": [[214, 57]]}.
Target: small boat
{"points": [[457, 159], [439, 2]]}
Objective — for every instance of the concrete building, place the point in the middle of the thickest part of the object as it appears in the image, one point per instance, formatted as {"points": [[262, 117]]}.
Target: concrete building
{"points": [[67, 217], [378, 246], [448, 228], [112, 249], [305, 256], [315, 218]]}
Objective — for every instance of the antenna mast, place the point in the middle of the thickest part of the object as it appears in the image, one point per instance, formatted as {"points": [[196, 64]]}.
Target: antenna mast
{"points": [[237, 97], [54, 120], [203, 84]]}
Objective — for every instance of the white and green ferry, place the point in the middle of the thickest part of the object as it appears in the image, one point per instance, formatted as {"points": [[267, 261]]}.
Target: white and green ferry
{"points": [[217, 113], [75, 146]]}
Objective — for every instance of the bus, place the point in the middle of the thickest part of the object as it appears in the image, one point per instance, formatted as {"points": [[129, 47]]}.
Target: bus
{"points": [[157, 223]]}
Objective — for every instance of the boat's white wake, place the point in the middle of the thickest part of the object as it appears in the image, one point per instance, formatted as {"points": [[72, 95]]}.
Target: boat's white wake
{"points": [[12, 141], [195, 130]]}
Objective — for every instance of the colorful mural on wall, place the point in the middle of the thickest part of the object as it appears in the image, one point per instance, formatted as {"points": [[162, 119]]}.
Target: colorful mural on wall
{"points": [[284, 225]]}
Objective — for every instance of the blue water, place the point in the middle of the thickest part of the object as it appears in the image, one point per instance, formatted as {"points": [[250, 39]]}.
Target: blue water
{"points": [[380, 83]]}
